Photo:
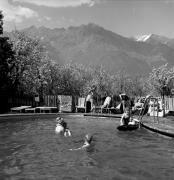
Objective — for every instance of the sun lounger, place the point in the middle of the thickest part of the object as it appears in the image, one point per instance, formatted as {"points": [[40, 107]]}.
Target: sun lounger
{"points": [[19, 109], [81, 105], [105, 107], [30, 110], [45, 109]]}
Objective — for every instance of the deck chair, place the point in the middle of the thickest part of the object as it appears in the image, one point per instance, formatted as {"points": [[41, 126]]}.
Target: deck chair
{"points": [[105, 106], [81, 105], [19, 109]]}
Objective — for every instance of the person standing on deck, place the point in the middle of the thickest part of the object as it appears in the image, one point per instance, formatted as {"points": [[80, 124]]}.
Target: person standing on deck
{"points": [[125, 102], [89, 102]]}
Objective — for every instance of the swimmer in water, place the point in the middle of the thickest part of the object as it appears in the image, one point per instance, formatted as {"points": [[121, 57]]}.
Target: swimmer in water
{"points": [[125, 119], [61, 127], [87, 142]]}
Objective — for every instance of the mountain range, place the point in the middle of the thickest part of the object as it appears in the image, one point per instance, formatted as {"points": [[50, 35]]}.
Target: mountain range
{"points": [[93, 45]]}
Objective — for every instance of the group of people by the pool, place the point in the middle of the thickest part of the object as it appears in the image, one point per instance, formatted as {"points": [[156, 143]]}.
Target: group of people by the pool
{"points": [[62, 129], [126, 119]]}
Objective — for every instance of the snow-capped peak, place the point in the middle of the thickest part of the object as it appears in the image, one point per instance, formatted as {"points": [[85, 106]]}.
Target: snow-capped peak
{"points": [[143, 38]]}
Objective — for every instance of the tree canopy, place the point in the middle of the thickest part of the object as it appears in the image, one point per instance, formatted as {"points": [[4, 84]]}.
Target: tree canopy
{"points": [[161, 80], [1, 22]]}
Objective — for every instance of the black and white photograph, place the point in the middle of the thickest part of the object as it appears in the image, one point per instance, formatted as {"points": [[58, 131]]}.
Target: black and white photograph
{"points": [[86, 89]]}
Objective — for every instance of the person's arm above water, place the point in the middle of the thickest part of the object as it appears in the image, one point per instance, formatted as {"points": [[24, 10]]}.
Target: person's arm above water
{"points": [[88, 138], [85, 145], [121, 120]]}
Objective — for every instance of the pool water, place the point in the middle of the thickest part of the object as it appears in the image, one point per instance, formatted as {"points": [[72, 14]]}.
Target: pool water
{"points": [[30, 150]]}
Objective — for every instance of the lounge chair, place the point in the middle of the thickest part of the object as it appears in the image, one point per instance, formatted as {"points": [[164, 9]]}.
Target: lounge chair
{"points": [[46, 109], [81, 105], [19, 109], [117, 109], [105, 106], [30, 110]]}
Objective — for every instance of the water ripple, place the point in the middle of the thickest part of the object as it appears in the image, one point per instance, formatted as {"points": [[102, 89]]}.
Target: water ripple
{"points": [[31, 149]]}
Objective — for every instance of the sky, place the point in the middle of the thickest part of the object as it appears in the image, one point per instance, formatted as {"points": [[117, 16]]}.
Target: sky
{"points": [[125, 17]]}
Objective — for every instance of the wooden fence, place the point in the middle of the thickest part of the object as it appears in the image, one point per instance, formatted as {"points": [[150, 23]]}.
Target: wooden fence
{"points": [[7, 102], [169, 104], [55, 101], [51, 100]]}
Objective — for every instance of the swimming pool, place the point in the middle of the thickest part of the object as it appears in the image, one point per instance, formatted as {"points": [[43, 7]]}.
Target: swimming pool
{"points": [[30, 150]]}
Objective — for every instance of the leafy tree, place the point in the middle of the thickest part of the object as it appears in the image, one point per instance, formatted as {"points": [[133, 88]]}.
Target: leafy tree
{"points": [[100, 82], [161, 79], [29, 59], [1, 22], [6, 68], [139, 86], [6, 64], [73, 77], [51, 74], [122, 83]]}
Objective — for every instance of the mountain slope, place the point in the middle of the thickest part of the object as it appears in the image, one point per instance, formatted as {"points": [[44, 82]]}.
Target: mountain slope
{"points": [[93, 45]]}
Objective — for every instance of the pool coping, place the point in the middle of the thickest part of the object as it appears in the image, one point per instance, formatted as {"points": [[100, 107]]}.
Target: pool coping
{"points": [[61, 113], [158, 130], [31, 114], [103, 115]]}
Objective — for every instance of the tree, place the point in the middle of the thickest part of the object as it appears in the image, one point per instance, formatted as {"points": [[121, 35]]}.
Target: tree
{"points": [[139, 87], [1, 22], [51, 74], [29, 59], [72, 79], [6, 68], [161, 79], [100, 82]]}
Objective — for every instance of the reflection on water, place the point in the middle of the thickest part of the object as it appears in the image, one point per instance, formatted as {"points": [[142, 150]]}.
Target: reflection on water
{"points": [[30, 149]]}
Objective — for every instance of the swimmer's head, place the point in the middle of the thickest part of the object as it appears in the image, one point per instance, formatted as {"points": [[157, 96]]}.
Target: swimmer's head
{"points": [[59, 119], [88, 138]]}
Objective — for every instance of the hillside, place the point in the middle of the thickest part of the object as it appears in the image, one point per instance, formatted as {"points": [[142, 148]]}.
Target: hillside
{"points": [[93, 45]]}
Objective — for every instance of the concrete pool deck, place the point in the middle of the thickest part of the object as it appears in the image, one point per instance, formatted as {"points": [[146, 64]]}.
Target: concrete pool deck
{"points": [[162, 125]]}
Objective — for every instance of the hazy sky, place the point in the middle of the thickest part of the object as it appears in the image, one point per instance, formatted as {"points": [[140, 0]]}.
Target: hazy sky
{"points": [[125, 17]]}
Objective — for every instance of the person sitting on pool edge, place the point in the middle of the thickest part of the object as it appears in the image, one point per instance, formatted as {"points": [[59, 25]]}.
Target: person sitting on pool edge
{"points": [[125, 119], [87, 142], [61, 127]]}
